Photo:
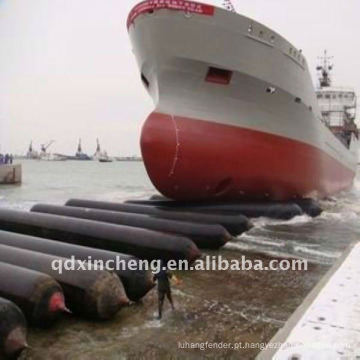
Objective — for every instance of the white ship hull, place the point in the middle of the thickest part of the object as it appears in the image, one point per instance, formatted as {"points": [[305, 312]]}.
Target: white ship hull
{"points": [[259, 135]]}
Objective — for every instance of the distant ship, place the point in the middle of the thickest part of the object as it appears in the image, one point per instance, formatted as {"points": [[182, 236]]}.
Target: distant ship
{"points": [[236, 114], [105, 158], [128, 158], [31, 153], [79, 155], [44, 154], [47, 156], [101, 156], [98, 152]]}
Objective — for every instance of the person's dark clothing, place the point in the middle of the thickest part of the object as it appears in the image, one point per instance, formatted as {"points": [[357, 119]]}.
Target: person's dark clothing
{"points": [[164, 289], [162, 278]]}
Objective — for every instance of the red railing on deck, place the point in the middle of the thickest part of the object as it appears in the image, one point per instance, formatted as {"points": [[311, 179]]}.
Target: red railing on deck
{"points": [[179, 5]]}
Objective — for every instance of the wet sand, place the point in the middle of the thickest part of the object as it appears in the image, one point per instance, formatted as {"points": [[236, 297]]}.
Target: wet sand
{"points": [[213, 306]]}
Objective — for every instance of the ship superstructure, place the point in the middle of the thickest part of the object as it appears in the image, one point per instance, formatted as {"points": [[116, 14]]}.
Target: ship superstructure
{"points": [[337, 105]]}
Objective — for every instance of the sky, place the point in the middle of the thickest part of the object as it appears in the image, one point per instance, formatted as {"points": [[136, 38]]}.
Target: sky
{"points": [[67, 70]]}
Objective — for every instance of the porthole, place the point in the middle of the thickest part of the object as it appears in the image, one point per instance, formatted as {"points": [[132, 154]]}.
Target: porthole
{"points": [[250, 29], [270, 90], [272, 39]]}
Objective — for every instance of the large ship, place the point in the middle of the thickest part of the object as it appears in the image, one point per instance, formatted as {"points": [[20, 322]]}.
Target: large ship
{"points": [[236, 113]]}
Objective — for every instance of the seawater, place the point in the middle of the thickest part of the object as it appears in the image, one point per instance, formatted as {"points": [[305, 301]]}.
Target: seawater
{"points": [[213, 306]]}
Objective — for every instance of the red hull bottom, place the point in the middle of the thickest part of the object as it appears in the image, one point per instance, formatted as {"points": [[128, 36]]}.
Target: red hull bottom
{"points": [[190, 159]]}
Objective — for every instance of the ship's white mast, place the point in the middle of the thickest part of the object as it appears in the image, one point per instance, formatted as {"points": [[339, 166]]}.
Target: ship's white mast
{"points": [[228, 5], [325, 69]]}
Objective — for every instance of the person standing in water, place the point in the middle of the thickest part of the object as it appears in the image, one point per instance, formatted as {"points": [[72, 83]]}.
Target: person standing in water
{"points": [[163, 287]]}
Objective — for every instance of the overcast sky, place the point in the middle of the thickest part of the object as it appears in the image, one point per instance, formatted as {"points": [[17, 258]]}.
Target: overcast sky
{"points": [[67, 70]]}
